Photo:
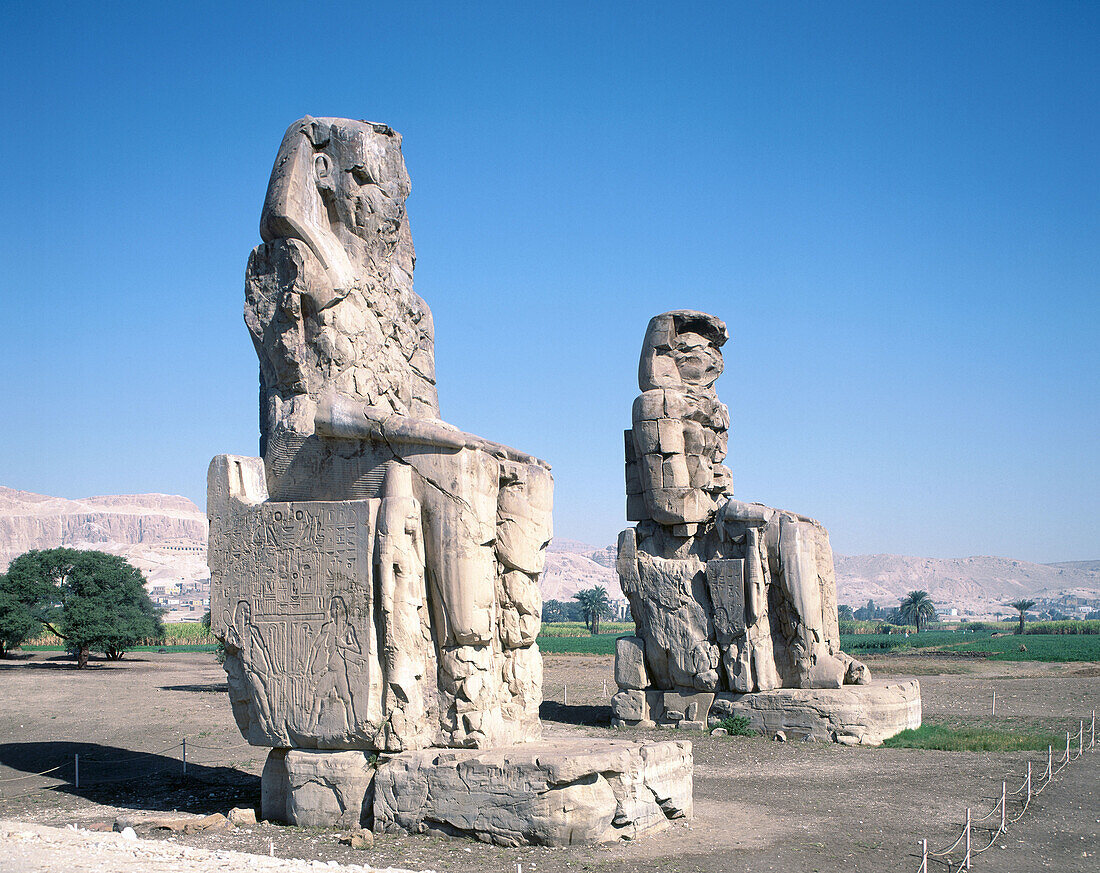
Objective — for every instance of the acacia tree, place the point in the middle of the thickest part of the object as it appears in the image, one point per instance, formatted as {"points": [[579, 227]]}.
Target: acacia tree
{"points": [[91, 600], [917, 608], [16, 620], [596, 605], [1022, 606]]}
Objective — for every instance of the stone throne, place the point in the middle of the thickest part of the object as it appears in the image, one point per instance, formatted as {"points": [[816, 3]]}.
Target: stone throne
{"points": [[375, 572], [734, 603]]}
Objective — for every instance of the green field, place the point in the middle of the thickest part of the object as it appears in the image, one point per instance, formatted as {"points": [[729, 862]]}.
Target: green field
{"points": [[601, 644], [1037, 647], [184, 633], [574, 638], [577, 628], [971, 739]]}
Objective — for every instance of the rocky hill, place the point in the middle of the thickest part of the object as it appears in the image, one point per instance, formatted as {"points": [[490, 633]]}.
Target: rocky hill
{"points": [[163, 535], [977, 585], [572, 566]]}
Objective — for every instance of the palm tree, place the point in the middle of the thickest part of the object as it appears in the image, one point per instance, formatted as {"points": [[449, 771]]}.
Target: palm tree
{"points": [[1022, 606], [596, 605], [917, 608]]}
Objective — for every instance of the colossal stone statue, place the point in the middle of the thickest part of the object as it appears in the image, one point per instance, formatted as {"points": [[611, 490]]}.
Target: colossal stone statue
{"points": [[375, 573], [729, 598], [442, 603]]}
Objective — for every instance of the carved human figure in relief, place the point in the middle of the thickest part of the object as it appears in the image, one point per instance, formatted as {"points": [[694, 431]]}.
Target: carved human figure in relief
{"points": [[332, 665], [726, 595], [408, 657], [248, 648]]}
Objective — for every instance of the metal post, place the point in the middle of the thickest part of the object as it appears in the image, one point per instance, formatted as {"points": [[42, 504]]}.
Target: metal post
{"points": [[76, 770], [994, 712], [567, 703], [1081, 740], [1050, 761], [966, 859], [923, 857], [1004, 807], [1067, 747], [185, 756], [1092, 742], [1028, 783]]}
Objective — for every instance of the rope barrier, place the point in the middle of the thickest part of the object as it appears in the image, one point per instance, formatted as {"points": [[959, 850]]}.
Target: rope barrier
{"points": [[32, 775], [132, 757], [1022, 795]]}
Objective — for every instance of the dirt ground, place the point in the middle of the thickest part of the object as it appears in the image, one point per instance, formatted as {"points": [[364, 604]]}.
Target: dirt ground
{"points": [[759, 805]]}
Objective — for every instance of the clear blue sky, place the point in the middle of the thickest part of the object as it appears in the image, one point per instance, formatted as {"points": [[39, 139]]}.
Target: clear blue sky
{"points": [[894, 206]]}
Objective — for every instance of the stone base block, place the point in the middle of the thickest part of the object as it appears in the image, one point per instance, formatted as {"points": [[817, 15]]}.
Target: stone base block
{"points": [[851, 714], [551, 792], [312, 788]]}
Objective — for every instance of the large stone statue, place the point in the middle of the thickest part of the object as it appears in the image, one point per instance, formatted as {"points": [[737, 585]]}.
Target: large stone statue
{"points": [[451, 528], [375, 573], [729, 598]]}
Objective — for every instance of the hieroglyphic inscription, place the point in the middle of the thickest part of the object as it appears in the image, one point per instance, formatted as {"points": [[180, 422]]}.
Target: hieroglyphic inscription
{"points": [[293, 597], [725, 582]]}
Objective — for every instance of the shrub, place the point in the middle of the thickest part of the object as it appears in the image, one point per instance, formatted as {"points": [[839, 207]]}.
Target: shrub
{"points": [[737, 725]]}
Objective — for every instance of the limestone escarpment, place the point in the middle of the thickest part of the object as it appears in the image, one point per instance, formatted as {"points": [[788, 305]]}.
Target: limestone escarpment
{"points": [[110, 523]]}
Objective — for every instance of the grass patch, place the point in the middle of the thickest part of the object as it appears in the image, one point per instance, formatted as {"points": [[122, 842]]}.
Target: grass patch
{"points": [[893, 642], [938, 736]]}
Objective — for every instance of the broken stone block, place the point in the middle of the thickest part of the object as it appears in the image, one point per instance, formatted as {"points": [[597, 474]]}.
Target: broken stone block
{"points": [[687, 706], [630, 705], [313, 788], [241, 817], [850, 715], [559, 792], [630, 669]]}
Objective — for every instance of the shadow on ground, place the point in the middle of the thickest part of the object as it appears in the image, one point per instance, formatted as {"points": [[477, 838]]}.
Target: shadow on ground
{"points": [[209, 687], [115, 776], [65, 661], [594, 716]]}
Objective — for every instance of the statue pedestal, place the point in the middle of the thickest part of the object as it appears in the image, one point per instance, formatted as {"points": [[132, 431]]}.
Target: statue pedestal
{"points": [[550, 792], [852, 715]]}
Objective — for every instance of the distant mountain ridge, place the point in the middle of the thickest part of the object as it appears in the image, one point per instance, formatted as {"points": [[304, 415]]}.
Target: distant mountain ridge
{"points": [[164, 535], [974, 584], [977, 585]]}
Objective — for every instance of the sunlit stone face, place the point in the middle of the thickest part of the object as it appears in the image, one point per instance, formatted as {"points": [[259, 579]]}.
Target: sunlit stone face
{"points": [[363, 174], [698, 362]]}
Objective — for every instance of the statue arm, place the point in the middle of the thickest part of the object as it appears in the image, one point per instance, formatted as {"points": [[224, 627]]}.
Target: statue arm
{"points": [[340, 416], [751, 514]]}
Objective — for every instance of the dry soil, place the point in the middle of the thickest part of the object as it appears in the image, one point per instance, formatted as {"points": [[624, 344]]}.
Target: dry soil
{"points": [[759, 805]]}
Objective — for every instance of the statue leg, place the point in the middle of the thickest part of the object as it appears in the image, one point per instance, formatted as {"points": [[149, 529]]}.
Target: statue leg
{"points": [[458, 495]]}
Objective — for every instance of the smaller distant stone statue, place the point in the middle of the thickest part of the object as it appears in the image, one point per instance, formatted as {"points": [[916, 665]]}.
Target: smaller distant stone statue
{"points": [[730, 599]]}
